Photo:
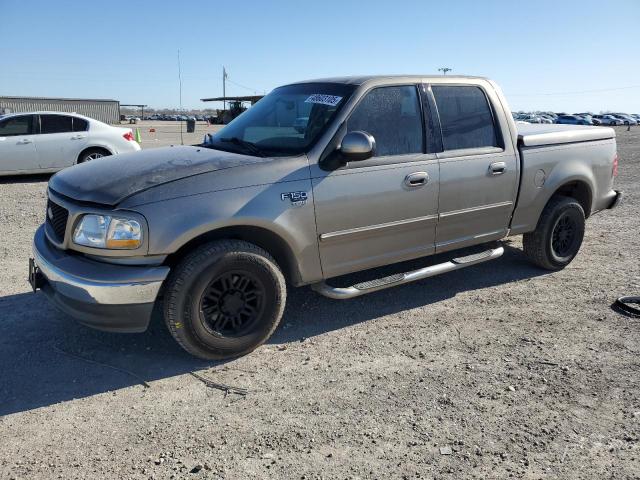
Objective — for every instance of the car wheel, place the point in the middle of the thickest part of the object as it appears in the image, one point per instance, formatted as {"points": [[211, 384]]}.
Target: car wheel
{"points": [[224, 299], [93, 154], [558, 236]]}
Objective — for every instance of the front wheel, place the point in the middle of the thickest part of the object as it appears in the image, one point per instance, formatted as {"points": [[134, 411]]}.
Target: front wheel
{"points": [[224, 299], [558, 236]]}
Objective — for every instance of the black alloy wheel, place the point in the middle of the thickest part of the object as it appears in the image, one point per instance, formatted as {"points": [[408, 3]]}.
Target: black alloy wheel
{"points": [[232, 303], [564, 236]]}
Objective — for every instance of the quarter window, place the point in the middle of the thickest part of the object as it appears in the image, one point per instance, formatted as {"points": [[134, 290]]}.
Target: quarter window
{"points": [[55, 124], [14, 126], [80, 124], [392, 115], [465, 117]]}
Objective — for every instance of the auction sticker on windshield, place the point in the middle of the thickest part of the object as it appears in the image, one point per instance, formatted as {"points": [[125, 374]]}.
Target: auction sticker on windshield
{"points": [[330, 100]]}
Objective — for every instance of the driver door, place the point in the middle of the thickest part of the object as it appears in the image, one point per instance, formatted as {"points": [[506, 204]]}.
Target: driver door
{"points": [[384, 209], [17, 144]]}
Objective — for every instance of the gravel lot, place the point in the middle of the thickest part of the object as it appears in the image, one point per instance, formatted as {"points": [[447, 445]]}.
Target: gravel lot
{"points": [[501, 370], [168, 133]]}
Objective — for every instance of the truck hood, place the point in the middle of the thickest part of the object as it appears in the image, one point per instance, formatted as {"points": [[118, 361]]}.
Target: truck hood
{"points": [[110, 180]]}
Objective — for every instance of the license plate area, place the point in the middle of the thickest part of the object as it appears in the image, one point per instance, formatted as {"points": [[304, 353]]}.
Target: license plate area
{"points": [[36, 278]]}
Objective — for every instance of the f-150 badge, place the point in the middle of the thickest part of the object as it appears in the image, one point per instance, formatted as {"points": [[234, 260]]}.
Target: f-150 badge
{"points": [[297, 199]]}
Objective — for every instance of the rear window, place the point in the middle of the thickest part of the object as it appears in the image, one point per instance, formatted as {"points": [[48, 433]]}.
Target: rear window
{"points": [[55, 124], [465, 117]]}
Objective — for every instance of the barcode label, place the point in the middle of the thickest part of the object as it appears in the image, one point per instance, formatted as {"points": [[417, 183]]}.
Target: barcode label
{"points": [[330, 100]]}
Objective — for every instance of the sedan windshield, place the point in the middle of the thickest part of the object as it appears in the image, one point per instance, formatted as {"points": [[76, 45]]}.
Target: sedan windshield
{"points": [[286, 122]]}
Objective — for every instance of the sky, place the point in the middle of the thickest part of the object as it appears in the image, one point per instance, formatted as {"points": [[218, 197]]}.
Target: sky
{"points": [[560, 55]]}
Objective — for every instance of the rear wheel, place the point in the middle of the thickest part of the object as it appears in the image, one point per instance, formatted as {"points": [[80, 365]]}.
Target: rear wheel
{"points": [[93, 154], [224, 299], [558, 235]]}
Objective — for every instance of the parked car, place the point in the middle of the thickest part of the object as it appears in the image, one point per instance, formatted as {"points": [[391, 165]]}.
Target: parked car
{"points": [[43, 142], [532, 118], [626, 119], [607, 120], [572, 120], [270, 208], [586, 116]]}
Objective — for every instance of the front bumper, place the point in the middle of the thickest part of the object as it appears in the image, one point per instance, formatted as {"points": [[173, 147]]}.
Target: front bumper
{"points": [[105, 296]]}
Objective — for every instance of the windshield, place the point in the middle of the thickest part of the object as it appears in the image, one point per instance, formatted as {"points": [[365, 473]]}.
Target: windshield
{"points": [[288, 121]]}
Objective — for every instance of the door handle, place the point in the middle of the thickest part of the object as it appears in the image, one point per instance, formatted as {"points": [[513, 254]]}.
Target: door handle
{"points": [[497, 168], [78, 137], [416, 179], [24, 141]]}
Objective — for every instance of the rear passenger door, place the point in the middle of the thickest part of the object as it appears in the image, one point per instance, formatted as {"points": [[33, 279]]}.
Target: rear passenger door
{"points": [[478, 169], [384, 209], [58, 146]]}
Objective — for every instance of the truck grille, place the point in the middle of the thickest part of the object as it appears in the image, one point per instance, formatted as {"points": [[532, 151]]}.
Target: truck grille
{"points": [[57, 219]]}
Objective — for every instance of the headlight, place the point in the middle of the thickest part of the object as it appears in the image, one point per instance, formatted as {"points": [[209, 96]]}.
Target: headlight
{"points": [[105, 231]]}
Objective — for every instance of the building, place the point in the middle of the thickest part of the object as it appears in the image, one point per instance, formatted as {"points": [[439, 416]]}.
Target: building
{"points": [[107, 111]]}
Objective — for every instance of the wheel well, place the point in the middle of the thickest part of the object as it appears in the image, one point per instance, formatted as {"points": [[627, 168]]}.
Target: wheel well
{"points": [[261, 237], [578, 190], [100, 149]]}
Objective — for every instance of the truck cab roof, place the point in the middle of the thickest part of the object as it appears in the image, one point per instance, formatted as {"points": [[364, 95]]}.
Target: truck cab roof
{"points": [[362, 79]]}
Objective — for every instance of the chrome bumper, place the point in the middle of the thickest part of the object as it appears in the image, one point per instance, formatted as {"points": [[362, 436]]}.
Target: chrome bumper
{"points": [[101, 295]]}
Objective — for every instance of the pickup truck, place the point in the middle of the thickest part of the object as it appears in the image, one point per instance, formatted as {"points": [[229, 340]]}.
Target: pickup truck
{"points": [[317, 180]]}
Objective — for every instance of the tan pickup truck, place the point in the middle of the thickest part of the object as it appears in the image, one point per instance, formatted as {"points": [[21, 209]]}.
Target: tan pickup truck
{"points": [[317, 180]]}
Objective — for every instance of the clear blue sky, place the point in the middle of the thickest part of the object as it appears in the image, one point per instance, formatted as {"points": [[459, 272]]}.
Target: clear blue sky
{"points": [[543, 53]]}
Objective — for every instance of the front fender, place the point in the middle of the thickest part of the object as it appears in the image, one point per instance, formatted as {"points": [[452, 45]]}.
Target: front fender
{"points": [[174, 223]]}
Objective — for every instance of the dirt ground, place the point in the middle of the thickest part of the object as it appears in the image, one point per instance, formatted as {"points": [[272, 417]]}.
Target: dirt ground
{"points": [[156, 134], [497, 371]]}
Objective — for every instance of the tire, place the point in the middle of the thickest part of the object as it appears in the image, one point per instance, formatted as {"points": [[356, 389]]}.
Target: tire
{"points": [[558, 236], [224, 299], [92, 154]]}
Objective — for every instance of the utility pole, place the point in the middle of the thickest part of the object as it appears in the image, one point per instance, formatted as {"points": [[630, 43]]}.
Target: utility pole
{"points": [[224, 88], [444, 70]]}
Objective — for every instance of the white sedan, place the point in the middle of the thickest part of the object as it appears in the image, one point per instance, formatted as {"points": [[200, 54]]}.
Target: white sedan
{"points": [[43, 142]]}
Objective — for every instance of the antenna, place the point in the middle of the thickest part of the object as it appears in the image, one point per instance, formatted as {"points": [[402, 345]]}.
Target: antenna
{"points": [[180, 84], [444, 70]]}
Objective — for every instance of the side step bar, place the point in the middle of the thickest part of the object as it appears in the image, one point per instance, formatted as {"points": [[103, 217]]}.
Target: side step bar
{"points": [[343, 293]]}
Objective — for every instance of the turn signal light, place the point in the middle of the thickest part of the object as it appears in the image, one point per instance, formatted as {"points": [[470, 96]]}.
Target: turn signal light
{"points": [[615, 165], [128, 136]]}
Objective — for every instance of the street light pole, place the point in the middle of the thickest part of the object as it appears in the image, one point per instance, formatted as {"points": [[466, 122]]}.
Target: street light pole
{"points": [[444, 70], [224, 89]]}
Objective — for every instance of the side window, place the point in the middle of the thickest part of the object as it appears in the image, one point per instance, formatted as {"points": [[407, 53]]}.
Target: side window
{"points": [[465, 117], [392, 115], [13, 126], [55, 124], [79, 124]]}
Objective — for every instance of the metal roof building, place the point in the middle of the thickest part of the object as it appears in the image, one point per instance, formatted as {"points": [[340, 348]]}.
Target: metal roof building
{"points": [[107, 111]]}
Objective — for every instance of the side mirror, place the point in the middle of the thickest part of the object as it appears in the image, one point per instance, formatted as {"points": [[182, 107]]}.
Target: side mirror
{"points": [[357, 146]]}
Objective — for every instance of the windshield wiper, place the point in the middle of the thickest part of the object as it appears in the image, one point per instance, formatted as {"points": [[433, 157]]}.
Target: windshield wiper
{"points": [[248, 146]]}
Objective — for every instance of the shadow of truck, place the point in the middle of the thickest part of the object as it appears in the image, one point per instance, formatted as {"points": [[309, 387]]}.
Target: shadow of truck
{"points": [[39, 346]]}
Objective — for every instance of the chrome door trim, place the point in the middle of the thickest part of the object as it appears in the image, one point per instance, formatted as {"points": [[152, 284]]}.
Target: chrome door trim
{"points": [[476, 209], [503, 232], [372, 228]]}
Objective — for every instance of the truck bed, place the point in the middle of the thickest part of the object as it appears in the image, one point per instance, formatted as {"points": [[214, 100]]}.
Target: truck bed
{"points": [[534, 135]]}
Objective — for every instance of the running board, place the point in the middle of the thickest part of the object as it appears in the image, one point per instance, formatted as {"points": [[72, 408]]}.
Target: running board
{"points": [[343, 293]]}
